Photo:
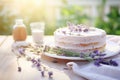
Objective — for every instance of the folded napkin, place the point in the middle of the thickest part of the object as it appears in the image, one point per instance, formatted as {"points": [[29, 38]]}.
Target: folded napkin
{"points": [[92, 72]]}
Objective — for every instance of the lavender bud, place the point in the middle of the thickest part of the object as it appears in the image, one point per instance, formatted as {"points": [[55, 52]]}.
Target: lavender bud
{"points": [[34, 61], [97, 63], [114, 63], [64, 32], [50, 74], [78, 26], [85, 30], [76, 29], [19, 69], [42, 73], [105, 62], [102, 54], [38, 64], [92, 55], [38, 60], [80, 30], [96, 51], [21, 51]]}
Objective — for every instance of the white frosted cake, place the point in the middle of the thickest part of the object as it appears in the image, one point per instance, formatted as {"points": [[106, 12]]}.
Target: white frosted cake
{"points": [[80, 38]]}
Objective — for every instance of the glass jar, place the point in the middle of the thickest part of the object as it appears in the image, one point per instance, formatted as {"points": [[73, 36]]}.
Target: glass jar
{"points": [[37, 29], [19, 31]]}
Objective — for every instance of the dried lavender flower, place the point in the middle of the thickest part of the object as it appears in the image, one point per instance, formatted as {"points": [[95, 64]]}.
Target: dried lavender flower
{"points": [[96, 51], [38, 60], [33, 60], [114, 63], [19, 69], [50, 73], [97, 63], [38, 64], [80, 30], [105, 62], [64, 32], [85, 30], [21, 51], [42, 73], [102, 54], [92, 55]]}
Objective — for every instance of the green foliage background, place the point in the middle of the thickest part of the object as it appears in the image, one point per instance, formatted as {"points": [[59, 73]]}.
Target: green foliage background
{"points": [[112, 24], [72, 13]]}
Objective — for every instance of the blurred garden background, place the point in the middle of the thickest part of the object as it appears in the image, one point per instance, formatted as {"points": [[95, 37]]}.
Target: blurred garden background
{"points": [[104, 14]]}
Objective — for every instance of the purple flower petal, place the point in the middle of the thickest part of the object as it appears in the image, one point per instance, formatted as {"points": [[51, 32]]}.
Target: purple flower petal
{"points": [[114, 63], [34, 61], [92, 55], [96, 51], [97, 63], [38, 64], [21, 51], [50, 74]]}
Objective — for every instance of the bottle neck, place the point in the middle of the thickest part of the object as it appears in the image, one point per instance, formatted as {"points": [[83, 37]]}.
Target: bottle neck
{"points": [[19, 22]]}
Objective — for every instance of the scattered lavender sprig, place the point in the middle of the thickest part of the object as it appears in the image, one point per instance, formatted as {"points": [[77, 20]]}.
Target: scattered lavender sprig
{"points": [[36, 62], [96, 56], [100, 61]]}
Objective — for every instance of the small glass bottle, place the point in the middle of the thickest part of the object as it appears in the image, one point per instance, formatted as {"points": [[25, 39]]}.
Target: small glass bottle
{"points": [[19, 31]]}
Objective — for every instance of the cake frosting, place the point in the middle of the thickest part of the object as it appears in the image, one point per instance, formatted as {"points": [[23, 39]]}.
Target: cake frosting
{"points": [[80, 38]]}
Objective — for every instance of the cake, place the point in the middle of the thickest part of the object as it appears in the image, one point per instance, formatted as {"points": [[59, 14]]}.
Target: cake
{"points": [[80, 38]]}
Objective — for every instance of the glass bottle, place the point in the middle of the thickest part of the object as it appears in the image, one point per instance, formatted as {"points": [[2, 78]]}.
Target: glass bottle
{"points": [[19, 31]]}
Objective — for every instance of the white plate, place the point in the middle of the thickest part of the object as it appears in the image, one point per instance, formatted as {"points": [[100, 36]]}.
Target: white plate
{"points": [[112, 49]]}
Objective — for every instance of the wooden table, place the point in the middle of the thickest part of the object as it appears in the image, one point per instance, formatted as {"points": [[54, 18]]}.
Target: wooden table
{"points": [[8, 64]]}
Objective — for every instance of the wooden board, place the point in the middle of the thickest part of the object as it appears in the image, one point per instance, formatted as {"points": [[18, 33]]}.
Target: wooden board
{"points": [[8, 66], [2, 39]]}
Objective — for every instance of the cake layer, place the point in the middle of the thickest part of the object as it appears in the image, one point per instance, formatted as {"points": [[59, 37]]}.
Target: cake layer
{"points": [[100, 49], [80, 46]]}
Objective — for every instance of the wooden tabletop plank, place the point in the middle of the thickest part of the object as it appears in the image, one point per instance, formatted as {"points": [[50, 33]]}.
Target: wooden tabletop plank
{"points": [[2, 39], [8, 65]]}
